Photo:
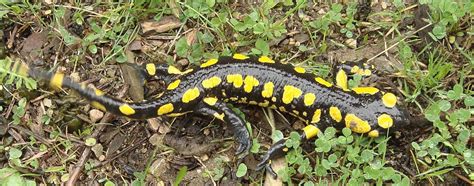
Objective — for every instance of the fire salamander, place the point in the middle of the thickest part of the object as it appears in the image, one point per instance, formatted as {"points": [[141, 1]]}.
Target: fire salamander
{"points": [[256, 81]]}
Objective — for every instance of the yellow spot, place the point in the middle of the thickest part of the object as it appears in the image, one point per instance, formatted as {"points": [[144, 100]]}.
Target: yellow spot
{"points": [[296, 112], [310, 131], [190, 95], [265, 59], [126, 109], [305, 113], [274, 99], [264, 103], [268, 90], [234, 98], [285, 149], [335, 113], [249, 83], [188, 71], [240, 56], [300, 70], [365, 90], [211, 82], [57, 80], [385, 121], [243, 100], [341, 79], [323, 82], [165, 109], [210, 100], [281, 108], [219, 116], [316, 116], [209, 63], [176, 114], [289, 93], [273, 107], [150, 69], [253, 103], [356, 124], [98, 106], [174, 85], [309, 99], [389, 100], [236, 79], [174, 70], [373, 134], [98, 92]]}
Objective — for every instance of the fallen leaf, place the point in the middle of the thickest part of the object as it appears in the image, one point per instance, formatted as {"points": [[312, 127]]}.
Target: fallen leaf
{"points": [[164, 24]]}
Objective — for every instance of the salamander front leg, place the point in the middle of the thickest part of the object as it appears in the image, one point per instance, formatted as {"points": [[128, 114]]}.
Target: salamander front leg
{"points": [[212, 107], [279, 149]]}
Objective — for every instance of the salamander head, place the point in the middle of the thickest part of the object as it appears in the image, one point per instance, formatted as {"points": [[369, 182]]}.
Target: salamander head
{"points": [[380, 117]]}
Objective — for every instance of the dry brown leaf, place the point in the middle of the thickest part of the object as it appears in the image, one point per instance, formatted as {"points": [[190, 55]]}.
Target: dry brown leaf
{"points": [[165, 24], [191, 37]]}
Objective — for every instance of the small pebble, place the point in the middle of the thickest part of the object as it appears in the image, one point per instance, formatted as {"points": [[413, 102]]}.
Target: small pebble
{"points": [[351, 43], [95, 115]]}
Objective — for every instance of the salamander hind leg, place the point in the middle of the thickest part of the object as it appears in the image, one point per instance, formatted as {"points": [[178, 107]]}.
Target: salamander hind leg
{"points": [[210, 106]]}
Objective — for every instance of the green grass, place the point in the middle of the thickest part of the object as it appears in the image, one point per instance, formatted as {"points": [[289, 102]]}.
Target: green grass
{"points": [[434, 81]]}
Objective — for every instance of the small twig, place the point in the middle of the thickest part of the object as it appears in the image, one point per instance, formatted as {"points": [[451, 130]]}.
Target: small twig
{"points": [[463, 178], [205, 169], [74, 175]]}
